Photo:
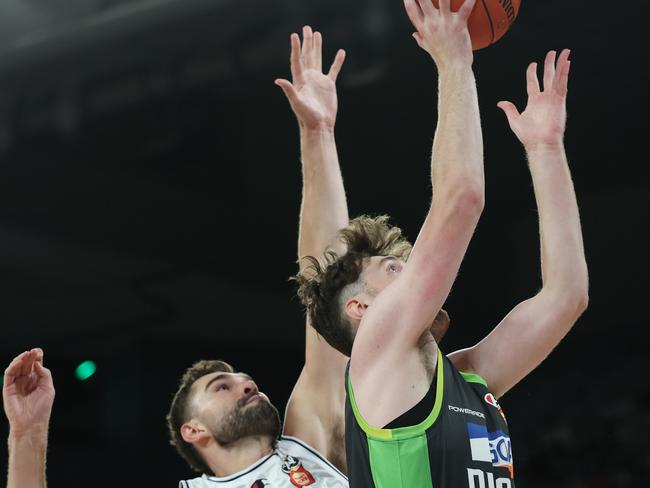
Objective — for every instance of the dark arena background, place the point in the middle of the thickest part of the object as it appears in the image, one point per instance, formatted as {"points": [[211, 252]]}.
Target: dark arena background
{"points": [[149, 191]]}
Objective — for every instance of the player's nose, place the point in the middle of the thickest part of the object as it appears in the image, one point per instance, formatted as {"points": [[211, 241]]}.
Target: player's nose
{"points": [[250, 387]]}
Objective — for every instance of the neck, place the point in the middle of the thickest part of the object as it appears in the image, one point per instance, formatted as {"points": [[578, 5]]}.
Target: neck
{"points": [[237, 456]]}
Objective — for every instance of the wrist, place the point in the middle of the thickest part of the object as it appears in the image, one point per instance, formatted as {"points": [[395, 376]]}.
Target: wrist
{"points": [[33, 433], [454, 66], [456, 74], [544, 147], [320, 128]]}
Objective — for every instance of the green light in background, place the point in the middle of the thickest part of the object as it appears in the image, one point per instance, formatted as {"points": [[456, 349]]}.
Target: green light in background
{"points": [[85, 370]]}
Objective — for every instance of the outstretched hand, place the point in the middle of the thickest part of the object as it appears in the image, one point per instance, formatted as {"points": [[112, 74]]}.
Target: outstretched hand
{"points": [[543, 121], [28, 393], [440, 32], [312, 94]]}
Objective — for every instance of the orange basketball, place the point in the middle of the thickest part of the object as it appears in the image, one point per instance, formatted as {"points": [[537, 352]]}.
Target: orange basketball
{"points": [[489, 20]]}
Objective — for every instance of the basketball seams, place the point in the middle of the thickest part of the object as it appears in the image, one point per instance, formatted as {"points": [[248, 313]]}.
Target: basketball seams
{"points": [[489, 17]]}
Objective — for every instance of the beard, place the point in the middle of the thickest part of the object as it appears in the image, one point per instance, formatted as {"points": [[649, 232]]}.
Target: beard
{"points": [[259, 419]]}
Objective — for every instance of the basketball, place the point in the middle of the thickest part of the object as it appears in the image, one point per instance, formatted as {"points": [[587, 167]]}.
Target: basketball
{"points": [[489, 21]]}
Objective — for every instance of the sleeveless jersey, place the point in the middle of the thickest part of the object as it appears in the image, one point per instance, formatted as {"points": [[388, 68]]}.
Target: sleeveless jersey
{"points": [[463, 443], [292, 463]]}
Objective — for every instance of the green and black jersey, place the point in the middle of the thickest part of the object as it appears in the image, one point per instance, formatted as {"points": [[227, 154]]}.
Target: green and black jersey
{"points": [[464, 442]]}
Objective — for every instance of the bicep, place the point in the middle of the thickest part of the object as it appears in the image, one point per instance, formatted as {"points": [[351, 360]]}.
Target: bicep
{"points": [[324, 365], [315, 415], [521, 341]]}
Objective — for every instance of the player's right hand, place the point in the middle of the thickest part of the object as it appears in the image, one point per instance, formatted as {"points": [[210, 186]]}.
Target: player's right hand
{"points": [[28, 394], [312, 94], [441, 32]]}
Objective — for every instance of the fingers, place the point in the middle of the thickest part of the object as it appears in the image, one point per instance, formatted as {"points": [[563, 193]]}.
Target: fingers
{"points": [[307, 46], [532, 83], [317, 51], [418, 38], [38, 354], [561, 81], [427, 8], [509, 109], [549, 70], [414, 13], [14, 368], [308, 54], [335, 69], [296, 62], [444, 7], [466, 9], [22, 365], [42, 372], [28, 363], [288, 89]]}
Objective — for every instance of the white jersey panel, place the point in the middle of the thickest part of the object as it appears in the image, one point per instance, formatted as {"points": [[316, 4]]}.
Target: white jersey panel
{"points": [[292, 464]]}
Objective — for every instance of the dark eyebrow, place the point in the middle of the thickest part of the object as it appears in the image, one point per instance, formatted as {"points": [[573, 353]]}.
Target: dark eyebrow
{"points": [[222, 376], [216, 378]]}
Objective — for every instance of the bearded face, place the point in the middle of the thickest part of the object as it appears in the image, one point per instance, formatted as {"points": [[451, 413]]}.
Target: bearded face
{"points": [[251, 417]]}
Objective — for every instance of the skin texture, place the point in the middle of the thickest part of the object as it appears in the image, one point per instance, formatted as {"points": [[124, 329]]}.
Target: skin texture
{"points": [[391, 364], [528, 334], [315, 411], [227, 446], [534, 327], [28, 396]]}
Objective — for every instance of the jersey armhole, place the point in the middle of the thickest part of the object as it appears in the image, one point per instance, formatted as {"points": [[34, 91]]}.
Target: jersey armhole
{"points": [[399, 433], [473, 378]]}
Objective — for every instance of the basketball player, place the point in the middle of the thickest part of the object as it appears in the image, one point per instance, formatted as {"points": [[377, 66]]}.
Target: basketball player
{"points": [[414, 417], [27, 395], [219, 421]]}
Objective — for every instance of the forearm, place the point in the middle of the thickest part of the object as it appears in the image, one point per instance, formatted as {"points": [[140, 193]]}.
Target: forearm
{"points": [[322, 214], [27, 454], [324, 208], [457, 160], [564, 267]]}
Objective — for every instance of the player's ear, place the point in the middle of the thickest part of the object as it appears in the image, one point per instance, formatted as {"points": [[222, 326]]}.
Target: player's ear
{"points": [[194, 432], [355, 307]]}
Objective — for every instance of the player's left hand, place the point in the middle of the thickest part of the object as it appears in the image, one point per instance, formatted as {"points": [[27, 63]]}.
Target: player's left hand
{"points": [[543, 121], [28, 394]]}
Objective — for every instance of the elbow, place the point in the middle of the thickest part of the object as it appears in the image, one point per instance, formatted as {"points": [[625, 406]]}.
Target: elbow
{"points": [[582, 302], [571, 303], [467, 198], [580, 294]]}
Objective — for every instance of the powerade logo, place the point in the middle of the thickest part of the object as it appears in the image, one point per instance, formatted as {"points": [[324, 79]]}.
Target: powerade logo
{"points": [[490, 447]]}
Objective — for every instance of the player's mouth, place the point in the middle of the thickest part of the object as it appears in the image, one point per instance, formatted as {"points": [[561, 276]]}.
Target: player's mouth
{"points": [[254, 398]]}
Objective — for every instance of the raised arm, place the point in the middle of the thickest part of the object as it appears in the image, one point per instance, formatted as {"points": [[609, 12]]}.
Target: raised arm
{"points": [[315, 410], [528, 334], [28, 394], [405, 309]]}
